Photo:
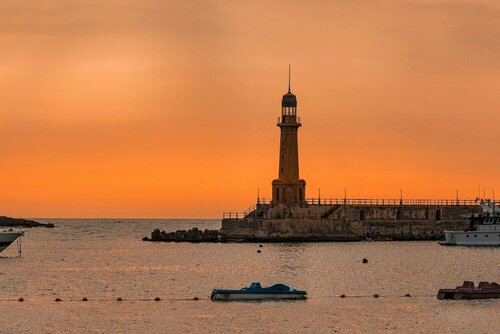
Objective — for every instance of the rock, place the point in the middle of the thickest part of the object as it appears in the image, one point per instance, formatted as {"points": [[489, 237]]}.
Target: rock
{"points": [[365, 260], [192, 235], [156, 235], [210, 236]]}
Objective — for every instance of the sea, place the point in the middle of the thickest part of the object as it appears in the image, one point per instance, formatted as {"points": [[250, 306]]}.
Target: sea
{"points": [[105, 259]]}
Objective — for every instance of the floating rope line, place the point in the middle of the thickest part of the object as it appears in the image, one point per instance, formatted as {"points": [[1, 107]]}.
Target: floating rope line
{"points": [[158, 299]]}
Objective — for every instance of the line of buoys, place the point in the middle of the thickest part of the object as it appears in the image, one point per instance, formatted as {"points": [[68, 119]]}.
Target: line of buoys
{"points": [[376, 295], [195, 298]]}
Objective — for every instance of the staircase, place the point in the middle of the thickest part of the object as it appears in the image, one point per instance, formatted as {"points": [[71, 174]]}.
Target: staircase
{"points": [[330, 211]]}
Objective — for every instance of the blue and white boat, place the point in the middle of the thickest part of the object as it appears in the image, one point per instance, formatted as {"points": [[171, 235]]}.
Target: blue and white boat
{"points": [[256, 292]]}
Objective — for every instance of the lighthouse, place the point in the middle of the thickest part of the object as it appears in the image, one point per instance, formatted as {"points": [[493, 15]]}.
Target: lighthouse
{"points": [[288, 188]]}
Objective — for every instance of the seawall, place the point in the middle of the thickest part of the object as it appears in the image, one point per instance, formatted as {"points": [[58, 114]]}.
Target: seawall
{"points": [[338, 222]]}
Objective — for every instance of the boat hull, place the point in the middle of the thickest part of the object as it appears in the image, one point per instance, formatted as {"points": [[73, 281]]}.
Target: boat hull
{"points": [[6, 238], [453, 294], [471, 238], [256, 296]]}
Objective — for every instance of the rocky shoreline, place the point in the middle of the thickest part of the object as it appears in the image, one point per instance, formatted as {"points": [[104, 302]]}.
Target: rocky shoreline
{"points": [[19, 222], [192, 235]]}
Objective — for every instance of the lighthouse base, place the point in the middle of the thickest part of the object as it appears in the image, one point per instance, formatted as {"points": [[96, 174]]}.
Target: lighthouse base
{"points": [[289, 191]]}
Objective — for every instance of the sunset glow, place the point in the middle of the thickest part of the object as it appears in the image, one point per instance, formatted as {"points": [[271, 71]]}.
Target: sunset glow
{"points": [[124, 108]]}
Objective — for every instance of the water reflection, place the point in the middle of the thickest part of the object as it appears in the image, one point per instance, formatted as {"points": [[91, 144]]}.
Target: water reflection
{"points": [[288, 258], [106, 259]]}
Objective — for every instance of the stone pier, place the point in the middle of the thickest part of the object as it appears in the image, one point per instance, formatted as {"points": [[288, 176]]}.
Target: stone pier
{"points": [[348, 222]]}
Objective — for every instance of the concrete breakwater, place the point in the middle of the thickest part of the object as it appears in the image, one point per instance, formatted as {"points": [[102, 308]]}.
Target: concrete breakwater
{"points": [[333, 222], [349, 222]]}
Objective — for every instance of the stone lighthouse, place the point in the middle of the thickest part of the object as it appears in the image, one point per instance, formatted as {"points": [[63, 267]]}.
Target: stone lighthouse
{"points": [[288, 188]]}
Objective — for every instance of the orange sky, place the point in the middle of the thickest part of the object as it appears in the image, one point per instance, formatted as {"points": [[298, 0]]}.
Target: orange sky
{"points": [[134, 108]]}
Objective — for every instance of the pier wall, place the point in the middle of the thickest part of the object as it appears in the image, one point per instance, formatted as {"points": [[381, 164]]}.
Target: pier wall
{"points": [[288, 229], [349, 222]]}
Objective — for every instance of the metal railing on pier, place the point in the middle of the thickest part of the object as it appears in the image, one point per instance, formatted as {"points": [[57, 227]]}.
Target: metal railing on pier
{"points": [[390, 201], [267, 215], [265, 204]]}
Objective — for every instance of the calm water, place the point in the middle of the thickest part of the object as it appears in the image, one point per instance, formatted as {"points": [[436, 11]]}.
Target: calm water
{"points": [[106, 259]]}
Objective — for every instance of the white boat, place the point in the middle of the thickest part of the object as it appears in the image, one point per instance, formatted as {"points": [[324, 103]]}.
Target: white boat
{"points": [[484, 229], [8, 237]]}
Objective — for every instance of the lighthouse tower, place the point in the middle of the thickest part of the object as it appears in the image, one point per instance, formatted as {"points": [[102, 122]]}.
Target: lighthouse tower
{"points": [[288, 188]]}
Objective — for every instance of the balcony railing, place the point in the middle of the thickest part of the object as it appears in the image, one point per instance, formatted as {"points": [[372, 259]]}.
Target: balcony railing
{"points": [[288, 119]]}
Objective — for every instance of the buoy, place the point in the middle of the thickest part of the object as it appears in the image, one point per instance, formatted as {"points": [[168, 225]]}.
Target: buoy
{"points": [[21, 299], [261, 245], [85, 299], [119, 299], [365, 260], [407, 295], [196, 298], [376, 295], [157, 299], [58, 299], [342, 296], [258, 251]]}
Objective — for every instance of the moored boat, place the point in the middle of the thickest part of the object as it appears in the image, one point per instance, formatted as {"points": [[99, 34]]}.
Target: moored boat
{"points": [[484, 229], [8, 237], [256, 292], [484, 290]]}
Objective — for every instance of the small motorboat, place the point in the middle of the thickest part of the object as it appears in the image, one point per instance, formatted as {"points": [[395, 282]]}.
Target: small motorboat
{"points": [[8, 237], [256, 292], [484, 290]]}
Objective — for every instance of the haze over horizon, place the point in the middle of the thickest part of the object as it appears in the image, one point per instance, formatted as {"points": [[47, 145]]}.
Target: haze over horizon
{"points": [[128, 108]]}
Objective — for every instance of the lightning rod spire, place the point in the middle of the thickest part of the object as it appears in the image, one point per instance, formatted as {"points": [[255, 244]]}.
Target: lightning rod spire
{"points": [[289, 78]]}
